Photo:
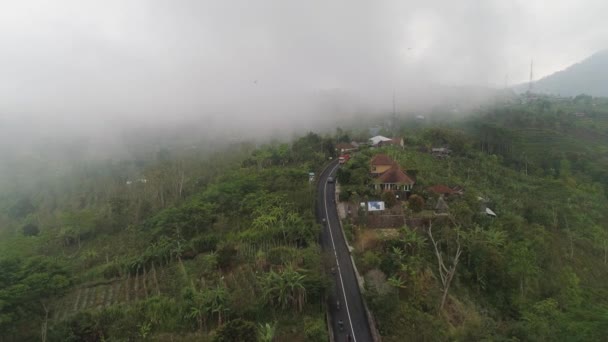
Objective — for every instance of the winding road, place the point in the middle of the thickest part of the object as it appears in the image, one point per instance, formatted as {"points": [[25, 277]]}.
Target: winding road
{"points": [[345, 290]]}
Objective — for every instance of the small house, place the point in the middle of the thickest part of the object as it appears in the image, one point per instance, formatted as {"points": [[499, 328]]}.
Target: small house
{"points": [[394, 179], [374, 141], [380, 141]]}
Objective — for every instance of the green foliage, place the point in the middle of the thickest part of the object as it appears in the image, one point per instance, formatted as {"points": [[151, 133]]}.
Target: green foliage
{"points": [[266, 332], [30, 229], [21, 208], [27, 286], [201, 225], [285, 289], [237, 330], [416, 203], [314, 330], [389, 199], [371, 260]]}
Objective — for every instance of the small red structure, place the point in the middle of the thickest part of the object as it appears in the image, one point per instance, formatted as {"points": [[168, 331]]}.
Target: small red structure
{"points": [[343, 158]]}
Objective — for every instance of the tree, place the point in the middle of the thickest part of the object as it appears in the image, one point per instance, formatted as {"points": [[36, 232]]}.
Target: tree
{"points": [[285, 289], [416, 203], [30, 229], [522, 264], [446, 274], [237, 330], [389, 198], [542, 320], [21, 208]]}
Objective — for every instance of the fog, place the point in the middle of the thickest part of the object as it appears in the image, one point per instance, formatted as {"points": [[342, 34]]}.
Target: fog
{"points": [[95, 72]]}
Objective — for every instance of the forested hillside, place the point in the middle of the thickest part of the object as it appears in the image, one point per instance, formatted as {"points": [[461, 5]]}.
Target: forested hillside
{"points": [[182, 245], [537, 271]]}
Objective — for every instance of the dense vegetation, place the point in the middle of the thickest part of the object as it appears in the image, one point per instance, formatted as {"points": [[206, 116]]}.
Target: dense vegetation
{"points": [[178, 245], [191, 245], [537, 271]]}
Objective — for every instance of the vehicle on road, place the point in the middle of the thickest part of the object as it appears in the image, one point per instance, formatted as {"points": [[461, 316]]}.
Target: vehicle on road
{"points": [[341, 325], [338, 305], [330, 179]]}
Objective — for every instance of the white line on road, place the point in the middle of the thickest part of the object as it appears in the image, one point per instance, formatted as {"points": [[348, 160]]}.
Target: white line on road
{"points": [[336, 254]]}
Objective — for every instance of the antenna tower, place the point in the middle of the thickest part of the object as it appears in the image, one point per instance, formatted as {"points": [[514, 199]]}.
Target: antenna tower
{"points": [[530, 86]]}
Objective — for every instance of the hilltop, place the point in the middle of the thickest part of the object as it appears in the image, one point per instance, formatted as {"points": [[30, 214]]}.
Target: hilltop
{"points": [[588, 77]]}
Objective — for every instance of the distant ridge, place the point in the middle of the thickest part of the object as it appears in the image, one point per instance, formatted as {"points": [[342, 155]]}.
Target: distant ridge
{"points": [[590, 76]]}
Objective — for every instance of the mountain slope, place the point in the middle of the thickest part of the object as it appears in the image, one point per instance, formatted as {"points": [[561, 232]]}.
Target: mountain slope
{"points": [[589, 77]]}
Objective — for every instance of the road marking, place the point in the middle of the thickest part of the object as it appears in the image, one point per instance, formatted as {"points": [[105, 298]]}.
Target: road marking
{"points": [[331, 235]]}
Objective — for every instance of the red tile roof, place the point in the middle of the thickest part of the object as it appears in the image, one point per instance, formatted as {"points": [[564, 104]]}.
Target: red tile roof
{"points": [[441, 189], [382, 159], [394, 175]]}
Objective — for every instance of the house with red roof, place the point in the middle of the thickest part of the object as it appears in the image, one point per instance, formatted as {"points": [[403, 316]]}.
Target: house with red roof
{"points": [[394, 179], [389, 176]]}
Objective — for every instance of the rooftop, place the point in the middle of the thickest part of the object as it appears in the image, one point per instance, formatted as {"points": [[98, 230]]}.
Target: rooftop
{"points": [[394, 175], [441, 189], [382, 159]]}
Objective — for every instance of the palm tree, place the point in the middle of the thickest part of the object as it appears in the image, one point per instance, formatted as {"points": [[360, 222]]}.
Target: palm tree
{"points": [[197, 312], [295, 285], [285, 288], [413, 240], [218, 303]]}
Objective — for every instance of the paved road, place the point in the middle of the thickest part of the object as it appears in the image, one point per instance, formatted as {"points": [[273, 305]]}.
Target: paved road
{"points": [[345, 289]]}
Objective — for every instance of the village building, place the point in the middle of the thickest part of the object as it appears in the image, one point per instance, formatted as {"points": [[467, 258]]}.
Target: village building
{"points": [[380, 141], [389, 176], [346, 147], [394, 179]]}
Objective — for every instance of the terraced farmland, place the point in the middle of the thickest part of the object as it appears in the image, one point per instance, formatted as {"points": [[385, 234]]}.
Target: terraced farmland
{"points": [[97, 296]]}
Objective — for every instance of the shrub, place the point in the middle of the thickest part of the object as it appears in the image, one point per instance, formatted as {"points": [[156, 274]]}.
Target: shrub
{"points": [[237, 330], [30, 229], [280, 255], [416, 203], [344, 196], [315, 330], [204, 244], [371, 260], [389, 198]]}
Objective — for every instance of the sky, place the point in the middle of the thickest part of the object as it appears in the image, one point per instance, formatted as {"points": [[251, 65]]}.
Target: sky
{"points": [[80, 66]]}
